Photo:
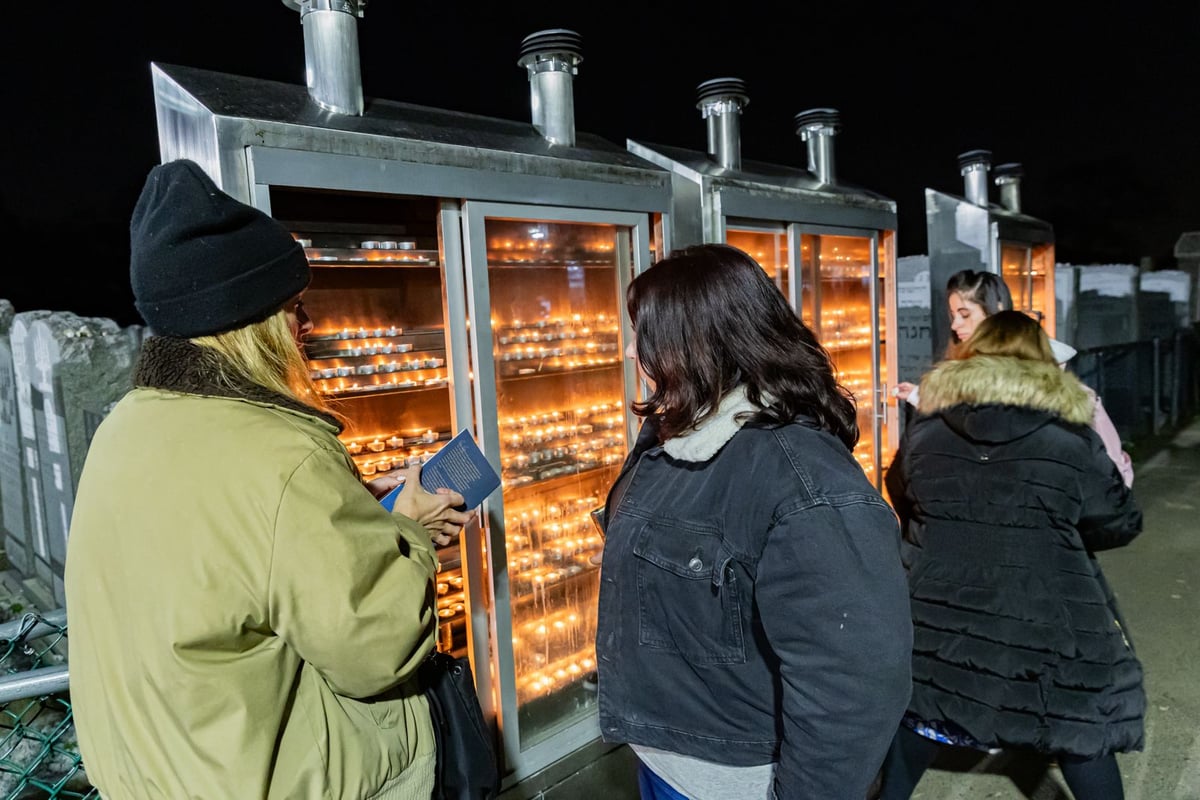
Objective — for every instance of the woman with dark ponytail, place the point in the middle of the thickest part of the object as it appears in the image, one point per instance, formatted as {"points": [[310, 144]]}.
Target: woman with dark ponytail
{"points": [[753, 634]]}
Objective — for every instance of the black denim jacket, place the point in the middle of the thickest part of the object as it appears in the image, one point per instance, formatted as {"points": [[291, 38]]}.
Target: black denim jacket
{"points": [[753, 609]]}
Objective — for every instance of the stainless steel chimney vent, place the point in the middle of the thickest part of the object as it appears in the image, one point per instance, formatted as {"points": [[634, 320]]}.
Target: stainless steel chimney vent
{"points": [[331, 66], [551, 58], [721, 101], [974, 166], [817, 127], [1008, 178]]}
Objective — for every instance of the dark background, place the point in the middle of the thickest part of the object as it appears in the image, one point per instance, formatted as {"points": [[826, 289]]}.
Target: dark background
{"points": [[1097, 101]]}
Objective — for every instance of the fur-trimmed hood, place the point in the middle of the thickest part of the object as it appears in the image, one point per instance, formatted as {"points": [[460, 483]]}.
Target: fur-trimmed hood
{"points": [[181, 366], [958, 391]]}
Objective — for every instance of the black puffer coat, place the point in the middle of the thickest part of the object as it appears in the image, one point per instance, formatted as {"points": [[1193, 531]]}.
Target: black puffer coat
{"points": [[1005, 494]]}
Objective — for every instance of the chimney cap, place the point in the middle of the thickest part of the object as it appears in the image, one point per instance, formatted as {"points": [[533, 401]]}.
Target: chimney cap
{"points": [[817, 117], [722, 89], [550, 42], [973, 157], [1008, 171], [354, 7]]}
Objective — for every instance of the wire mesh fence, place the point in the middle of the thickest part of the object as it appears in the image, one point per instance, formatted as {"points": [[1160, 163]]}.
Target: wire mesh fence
{"points": [[39, 756]]}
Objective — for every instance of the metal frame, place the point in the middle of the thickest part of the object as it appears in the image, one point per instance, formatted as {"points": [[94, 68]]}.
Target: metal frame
{"points": [[575, 733]]}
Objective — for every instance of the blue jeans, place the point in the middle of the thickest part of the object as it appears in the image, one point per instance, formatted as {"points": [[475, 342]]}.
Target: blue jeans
{"points": [[652, 787]]}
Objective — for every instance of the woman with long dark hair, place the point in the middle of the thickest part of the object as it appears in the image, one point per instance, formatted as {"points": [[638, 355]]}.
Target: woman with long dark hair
{"points": [[753, 628]]}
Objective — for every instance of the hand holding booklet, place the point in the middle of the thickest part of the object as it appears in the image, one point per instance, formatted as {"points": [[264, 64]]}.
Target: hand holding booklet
{"points": [[460, 465]]}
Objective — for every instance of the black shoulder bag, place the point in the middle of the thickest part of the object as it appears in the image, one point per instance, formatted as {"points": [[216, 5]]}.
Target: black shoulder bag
{"points": [[466, 763]]}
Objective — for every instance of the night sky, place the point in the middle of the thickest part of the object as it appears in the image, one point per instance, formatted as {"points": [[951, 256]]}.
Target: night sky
{"points": [[1098, 102]]}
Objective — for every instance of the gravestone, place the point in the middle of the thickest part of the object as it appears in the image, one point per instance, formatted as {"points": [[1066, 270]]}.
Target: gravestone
{"points": [[914, 334], [14, 520], [1066, 294], [32, 516], [1187, 257], [1107, 306], [79, 367], [1177, 284]]}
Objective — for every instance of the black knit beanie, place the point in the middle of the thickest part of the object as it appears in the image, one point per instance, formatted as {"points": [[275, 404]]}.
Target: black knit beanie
{"points": [[203, 263]]}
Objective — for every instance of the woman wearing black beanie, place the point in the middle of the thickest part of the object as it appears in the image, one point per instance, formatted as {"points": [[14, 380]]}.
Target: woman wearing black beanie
{"points": [[246, 619]]}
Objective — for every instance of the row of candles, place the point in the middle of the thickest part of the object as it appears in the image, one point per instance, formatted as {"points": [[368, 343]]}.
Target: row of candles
{"points": [[451, 607], [552, 463], [562, 426], [360, 332], [380, 366], [586, 411], [379, 454], [859, 382], [364, 348], [553, 329], [843, 328], [333, 374], [378, 383], [550, 443], [368, 341], [558, 364], [557, 344], [849, 268], [550, 542], [542, 246], [554, 652], [536, 525], [531, 352]]}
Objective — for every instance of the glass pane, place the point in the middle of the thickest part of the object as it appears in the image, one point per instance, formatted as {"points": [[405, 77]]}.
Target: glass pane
{"points": [[883, 292], [378, 351], [768, 248], [845, 329], [1042, 297], [561, 412], [809, 250], [1015, 266]]}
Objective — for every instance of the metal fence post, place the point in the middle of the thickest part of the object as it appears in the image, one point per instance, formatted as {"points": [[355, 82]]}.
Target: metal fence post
{"points": [[1155, 404]]}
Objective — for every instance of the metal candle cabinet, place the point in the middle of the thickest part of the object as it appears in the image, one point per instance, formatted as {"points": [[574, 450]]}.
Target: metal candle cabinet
{"points": [[969, 232], [468, 273], [829, 245]]}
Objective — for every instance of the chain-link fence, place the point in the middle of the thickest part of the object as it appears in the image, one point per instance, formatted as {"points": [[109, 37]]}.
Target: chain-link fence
{"points": [[39, 756]]}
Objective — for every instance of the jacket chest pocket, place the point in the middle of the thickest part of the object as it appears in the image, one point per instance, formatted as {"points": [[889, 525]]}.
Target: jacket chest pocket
{"points": [[689, 600]]}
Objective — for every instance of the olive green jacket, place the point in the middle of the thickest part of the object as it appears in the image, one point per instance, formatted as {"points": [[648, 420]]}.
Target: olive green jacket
{"points": [[244, 617]]}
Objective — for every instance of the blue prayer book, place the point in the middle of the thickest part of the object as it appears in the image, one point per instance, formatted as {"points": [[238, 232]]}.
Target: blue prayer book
{"points": [[460, 465]]}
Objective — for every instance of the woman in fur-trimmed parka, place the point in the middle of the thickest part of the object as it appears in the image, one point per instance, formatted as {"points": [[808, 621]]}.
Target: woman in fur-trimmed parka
{"points": [[1006, 494]]}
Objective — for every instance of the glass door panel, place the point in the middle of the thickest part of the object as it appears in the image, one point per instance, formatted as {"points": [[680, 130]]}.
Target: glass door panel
{"points": [[1014, 269], [554, 290], [378, 349], [885, 300], [1042, 287], [845, 269], [768, 248], [1028, 270], [810, 249]]}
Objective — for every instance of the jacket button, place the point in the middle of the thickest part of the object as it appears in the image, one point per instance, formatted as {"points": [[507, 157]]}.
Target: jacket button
{"points": [[983, 457], [695, 565]]}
